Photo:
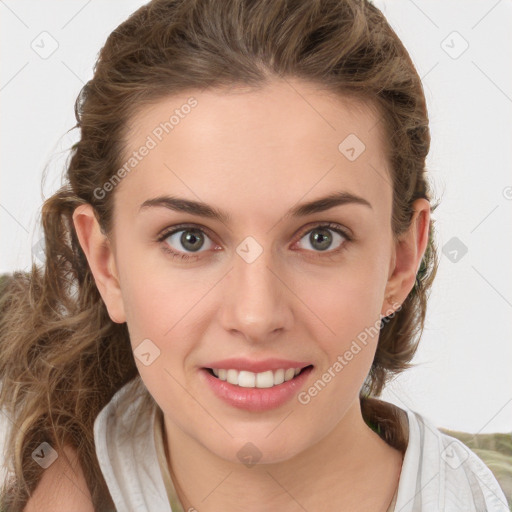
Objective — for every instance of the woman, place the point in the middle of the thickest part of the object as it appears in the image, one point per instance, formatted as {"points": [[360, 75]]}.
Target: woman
{"points": [[239, 261]]}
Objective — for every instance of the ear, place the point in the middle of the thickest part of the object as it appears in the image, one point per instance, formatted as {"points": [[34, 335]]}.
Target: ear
{"points": [[407, 255], [100, 256]]}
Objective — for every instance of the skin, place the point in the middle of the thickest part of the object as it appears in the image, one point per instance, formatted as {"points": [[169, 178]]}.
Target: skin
{"points": [[256, 154]]}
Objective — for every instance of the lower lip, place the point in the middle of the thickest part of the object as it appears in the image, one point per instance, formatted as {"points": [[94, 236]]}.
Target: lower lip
{"points": [[255, 399]]}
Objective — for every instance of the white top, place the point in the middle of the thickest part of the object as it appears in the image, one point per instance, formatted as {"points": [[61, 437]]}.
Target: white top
{"points": [[439, 473]]}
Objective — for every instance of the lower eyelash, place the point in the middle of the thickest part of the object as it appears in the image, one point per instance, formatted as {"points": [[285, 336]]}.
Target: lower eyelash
{"points": [[180, 255]]}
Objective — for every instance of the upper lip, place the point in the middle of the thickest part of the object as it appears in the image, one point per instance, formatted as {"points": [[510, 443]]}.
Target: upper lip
{"points": [[242, 364]]}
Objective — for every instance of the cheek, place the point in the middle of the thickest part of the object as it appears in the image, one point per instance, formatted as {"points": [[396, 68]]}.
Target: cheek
{"points": [[347, 299], [161, 306], [348, 304], [349, 310], [158, 316], [157, 297], [353, 318]]}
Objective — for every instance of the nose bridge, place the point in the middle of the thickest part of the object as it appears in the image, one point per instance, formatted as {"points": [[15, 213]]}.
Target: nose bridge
{"points": [[255, 302]]}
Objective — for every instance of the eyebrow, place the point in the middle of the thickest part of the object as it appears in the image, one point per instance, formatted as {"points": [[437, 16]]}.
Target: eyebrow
{"points": [[204, 210]]}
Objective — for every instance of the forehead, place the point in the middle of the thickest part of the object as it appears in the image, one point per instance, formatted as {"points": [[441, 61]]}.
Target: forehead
{"points": [[238, 147]]}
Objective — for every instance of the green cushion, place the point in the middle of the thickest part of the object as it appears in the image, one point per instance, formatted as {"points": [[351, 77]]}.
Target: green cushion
{"points": [[495, 450]]}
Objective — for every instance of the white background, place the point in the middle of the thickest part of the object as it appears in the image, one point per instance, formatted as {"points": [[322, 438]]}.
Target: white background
{"points": [[463, 377]]}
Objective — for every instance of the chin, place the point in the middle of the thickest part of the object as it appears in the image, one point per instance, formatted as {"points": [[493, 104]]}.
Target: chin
{"points": [[256, 450]]}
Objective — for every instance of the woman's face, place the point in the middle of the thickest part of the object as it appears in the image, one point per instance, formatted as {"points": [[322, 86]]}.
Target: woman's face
{"points": [[252, 273]]}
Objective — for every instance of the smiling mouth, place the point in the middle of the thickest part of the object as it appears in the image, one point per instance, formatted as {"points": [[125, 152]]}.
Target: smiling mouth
{"points": [[262, 380]]}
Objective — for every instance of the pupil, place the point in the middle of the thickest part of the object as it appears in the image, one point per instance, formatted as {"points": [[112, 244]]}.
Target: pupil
{"points": [[190, 239], [321, 236]]}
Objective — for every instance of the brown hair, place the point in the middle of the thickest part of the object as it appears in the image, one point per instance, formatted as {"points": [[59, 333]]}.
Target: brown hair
{"points": [[61, 356]]}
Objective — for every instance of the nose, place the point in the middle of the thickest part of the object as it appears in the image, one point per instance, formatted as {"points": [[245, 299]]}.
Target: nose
{"points": [[257, 303]]}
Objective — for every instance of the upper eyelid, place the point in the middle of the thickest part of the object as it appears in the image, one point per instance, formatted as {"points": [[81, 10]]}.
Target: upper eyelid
{"points": [[345, 232], [166, 232]]}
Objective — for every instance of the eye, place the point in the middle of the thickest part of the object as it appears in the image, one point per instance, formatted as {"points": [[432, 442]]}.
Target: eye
{"points": [[187, 238], [324, 236], [186, 242]]}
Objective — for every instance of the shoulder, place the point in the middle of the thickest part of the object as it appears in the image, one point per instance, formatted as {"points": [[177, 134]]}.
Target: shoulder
{"points": [[62, 488], [454, 476]]}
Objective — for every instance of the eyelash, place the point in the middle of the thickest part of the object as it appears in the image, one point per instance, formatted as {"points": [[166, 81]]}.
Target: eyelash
{"points": [[184, 227]]}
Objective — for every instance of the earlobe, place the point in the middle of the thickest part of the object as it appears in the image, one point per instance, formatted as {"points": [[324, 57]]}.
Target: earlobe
{"points": [[409, 251], [101, 259]]}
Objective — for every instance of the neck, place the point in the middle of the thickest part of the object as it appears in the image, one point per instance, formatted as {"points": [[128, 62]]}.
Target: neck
{"points": [[351, 468]]}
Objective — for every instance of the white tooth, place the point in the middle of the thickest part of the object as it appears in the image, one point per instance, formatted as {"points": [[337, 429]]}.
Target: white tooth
{"points": [[265, 379], [246, 379], [278, 377], [232, 377], [289, 374]]}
